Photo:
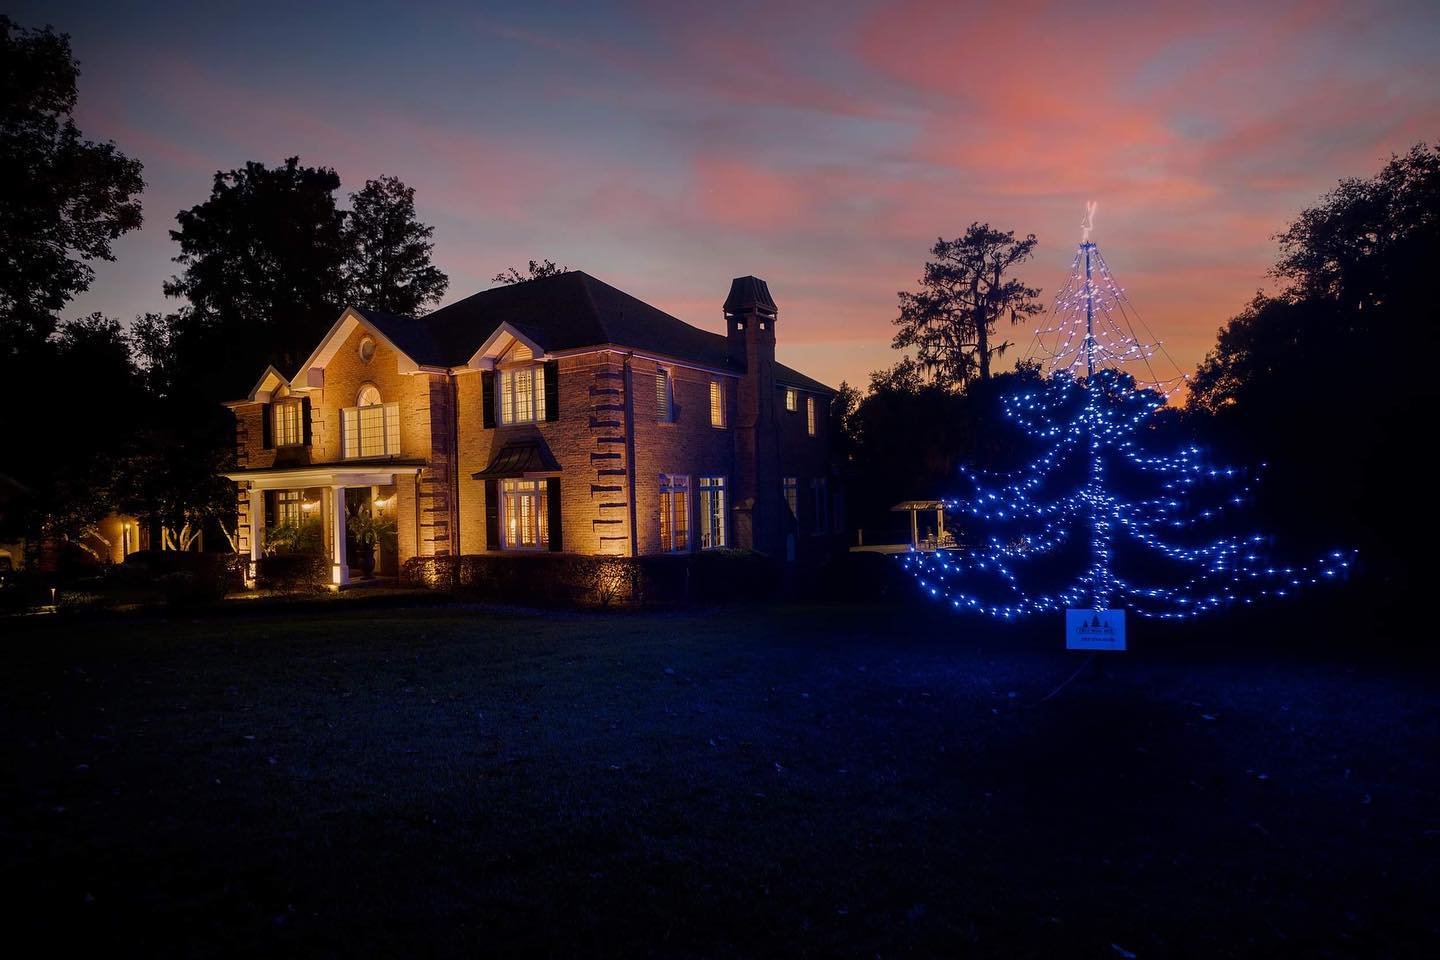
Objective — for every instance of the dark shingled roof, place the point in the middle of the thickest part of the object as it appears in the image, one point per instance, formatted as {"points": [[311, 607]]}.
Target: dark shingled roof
{"points": [[565, 312]]}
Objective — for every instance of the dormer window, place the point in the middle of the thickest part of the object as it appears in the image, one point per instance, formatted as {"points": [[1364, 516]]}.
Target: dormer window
{"points": [[371, 428], [289, 422], [522, 394]]}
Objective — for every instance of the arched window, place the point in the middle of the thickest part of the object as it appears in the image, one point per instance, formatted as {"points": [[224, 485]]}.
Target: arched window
{"points": [[371, 428]]}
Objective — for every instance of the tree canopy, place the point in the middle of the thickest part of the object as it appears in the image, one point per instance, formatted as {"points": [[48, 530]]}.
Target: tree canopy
{"points": [[388, 264], [537, 270], [63, 199], [966, 290]]}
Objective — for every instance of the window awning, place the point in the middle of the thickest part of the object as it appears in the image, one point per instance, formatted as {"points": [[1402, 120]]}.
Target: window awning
{"points": [[521, 458]]}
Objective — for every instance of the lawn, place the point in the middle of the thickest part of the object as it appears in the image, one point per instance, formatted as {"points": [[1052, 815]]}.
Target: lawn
{"points": [[784, 780]]}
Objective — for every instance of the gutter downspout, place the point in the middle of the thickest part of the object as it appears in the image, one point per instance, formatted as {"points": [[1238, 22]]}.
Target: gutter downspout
{"points": [[630, 450], [454, 464]]}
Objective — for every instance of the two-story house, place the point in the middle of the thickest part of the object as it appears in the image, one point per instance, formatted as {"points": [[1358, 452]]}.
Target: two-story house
{"points": [[556, 414]]}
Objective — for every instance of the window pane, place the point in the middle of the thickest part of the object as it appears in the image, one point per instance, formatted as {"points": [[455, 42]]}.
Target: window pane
{"points": [[717, 405], [712, 512], [392, 429], [790, 400], [350, 430], [792, 494], [526, 509], [810, 415]]}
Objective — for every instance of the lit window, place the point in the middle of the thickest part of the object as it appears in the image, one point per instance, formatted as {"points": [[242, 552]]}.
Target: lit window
{"points": [[370, 428], [522, 395], [792, 399], [717, 404], [527, 514], [822, 503], [289, 507], [712, 512], [664, 399], [792, 495], [289, 429], [674, 513], [810, 415]]}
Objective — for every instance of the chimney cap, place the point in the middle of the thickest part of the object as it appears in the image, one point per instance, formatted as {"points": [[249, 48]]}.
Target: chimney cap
{"points": [[750, 294]]}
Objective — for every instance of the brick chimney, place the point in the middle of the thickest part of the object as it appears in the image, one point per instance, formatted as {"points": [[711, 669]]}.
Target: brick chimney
{"points": [[750, 314]]}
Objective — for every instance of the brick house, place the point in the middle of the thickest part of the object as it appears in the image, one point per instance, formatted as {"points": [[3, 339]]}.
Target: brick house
{"points": [[556, 414]]}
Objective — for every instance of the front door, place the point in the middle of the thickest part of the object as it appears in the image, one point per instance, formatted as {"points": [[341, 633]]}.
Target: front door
{"points": [[357, 504]]}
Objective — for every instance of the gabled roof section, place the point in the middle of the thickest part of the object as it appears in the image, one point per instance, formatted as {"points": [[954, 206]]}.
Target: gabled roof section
{"points": [[501, 340], [404, 335], [271, 383]]}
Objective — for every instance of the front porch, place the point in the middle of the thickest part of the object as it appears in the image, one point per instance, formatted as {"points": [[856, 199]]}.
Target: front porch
{"points": [[320, 502]]}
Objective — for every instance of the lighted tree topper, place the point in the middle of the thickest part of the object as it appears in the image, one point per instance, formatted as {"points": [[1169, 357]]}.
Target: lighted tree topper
{"points": [[1063, 531]]}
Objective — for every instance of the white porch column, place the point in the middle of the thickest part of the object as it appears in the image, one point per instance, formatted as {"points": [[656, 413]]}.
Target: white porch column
{"points": [[914, 529], [339, 568], [939, 525], [257, 529]]}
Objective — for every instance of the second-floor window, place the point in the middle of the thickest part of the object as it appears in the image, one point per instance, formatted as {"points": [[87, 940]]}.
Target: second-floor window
{"points": [[522, 395], [289, 428], [792, 399], [674, 513], [717, 404], [664, 398], [810, 415], [371, 428], [712, 512]]}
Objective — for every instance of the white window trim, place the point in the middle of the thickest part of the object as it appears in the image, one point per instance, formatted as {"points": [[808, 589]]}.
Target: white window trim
{"points": [[670, 484], [706, 528], [278, 432], [541, 495], [351, 429], [505, 380]]}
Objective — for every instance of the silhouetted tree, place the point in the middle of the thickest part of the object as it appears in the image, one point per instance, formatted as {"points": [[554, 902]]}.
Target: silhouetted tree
{"points": [[263, 269], [388, 266], [536, 271], [965, 291], [63, 198], [1304, 379]]}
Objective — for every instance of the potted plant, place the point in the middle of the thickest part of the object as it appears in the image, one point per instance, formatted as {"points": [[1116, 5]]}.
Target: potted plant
{"points": [[369, 528]]}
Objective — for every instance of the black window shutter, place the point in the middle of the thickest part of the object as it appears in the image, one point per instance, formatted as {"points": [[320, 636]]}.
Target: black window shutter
{"points": [[552, 390], [305, 418], [552, 498], [267, 426], [492, 514], [487, 398]]}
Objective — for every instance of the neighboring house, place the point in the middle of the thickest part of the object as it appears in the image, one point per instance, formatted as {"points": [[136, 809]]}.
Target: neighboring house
{"points": [[556, 414]]}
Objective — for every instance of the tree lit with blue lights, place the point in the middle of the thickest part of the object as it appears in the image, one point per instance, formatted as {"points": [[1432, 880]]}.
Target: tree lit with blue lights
{"points": [[1096, 518]]}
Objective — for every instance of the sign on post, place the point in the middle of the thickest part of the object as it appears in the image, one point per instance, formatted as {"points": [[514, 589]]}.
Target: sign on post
{"points": [[1094, 629]]}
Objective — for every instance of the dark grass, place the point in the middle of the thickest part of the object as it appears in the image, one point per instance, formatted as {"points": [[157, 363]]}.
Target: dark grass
{"points": [[783, 781]]}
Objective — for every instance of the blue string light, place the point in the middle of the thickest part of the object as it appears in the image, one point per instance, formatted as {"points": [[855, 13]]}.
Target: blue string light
{"points": [[1091, 432]]}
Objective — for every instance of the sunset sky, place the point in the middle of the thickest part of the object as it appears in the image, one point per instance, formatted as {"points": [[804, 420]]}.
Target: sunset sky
{"points": [[667, 147]]}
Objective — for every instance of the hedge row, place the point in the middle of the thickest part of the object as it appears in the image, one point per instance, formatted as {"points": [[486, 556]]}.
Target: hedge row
{"points": [[578, 580], [293, 572]]}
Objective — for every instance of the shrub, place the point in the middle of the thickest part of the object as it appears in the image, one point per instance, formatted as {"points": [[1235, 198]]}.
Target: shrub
{"points": [[293, 572], [549, 579]]}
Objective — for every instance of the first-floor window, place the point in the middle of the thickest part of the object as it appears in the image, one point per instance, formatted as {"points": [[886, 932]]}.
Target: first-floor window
{"points": [[527, 514], [792, 495], [289, 431], [822, 503], [674, 513], [712, 512], [289, 507]]}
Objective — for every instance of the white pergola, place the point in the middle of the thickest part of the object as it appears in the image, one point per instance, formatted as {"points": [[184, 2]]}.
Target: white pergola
{"points": [[335, 479], [914, 507]]}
